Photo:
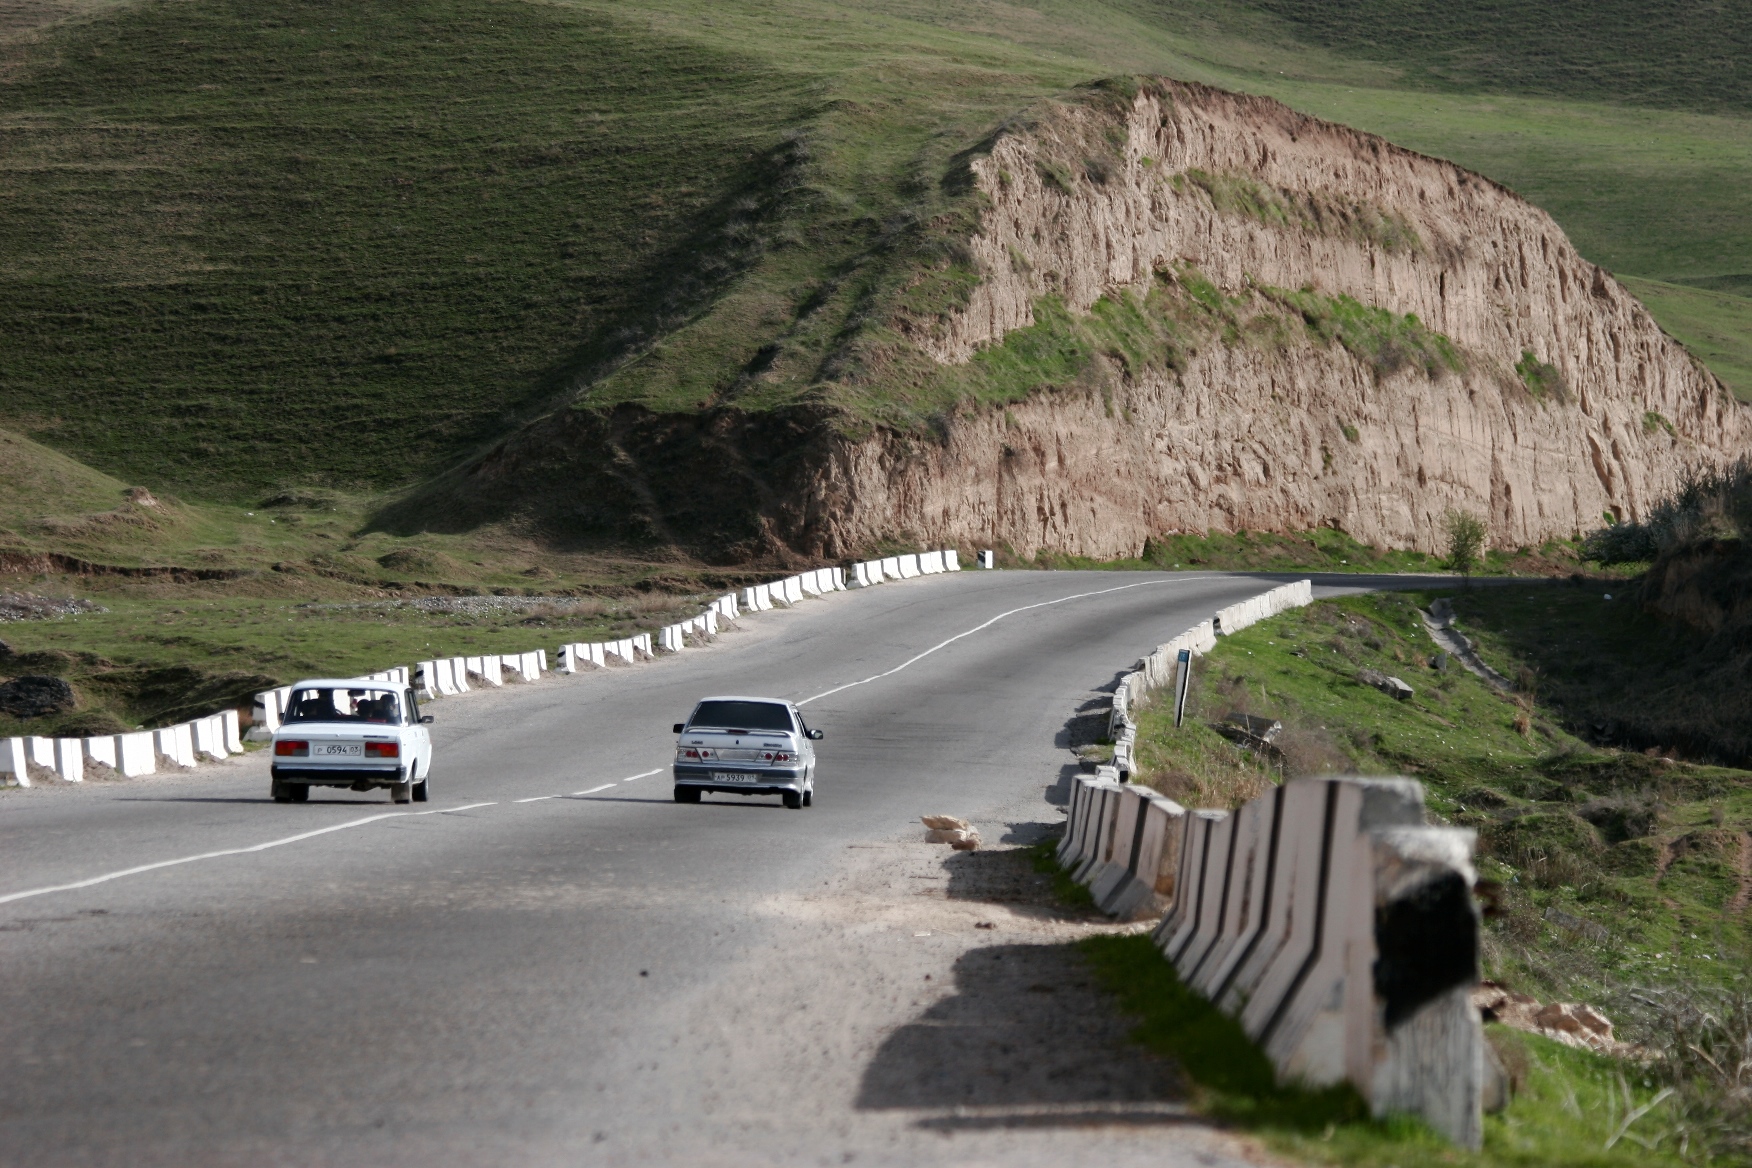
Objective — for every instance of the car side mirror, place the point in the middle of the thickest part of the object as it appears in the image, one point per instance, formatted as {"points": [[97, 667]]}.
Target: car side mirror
{"points": [[679, 727], [426, 719], [815, 736]]}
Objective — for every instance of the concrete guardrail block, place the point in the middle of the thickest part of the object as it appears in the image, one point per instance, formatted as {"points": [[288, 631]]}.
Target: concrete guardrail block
{"points": [[15, 761]]}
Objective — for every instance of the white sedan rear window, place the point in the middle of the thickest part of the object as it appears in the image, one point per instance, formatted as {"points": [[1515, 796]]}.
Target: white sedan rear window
{"points": [[353, 704]]}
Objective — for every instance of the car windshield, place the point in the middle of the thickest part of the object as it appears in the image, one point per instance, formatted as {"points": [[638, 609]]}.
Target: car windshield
{"points": [[351, 704], [740, 716]]}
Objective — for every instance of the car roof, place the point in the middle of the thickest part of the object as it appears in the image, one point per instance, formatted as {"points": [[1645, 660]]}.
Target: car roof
{"points": [[344, 683], [744, 698]]}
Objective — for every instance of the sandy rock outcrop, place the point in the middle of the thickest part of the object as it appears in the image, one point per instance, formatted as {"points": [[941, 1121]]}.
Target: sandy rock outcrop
{"points": [[1097, 198]]}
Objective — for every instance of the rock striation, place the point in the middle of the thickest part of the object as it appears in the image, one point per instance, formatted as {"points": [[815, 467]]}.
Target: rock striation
{"points": [[1335, 332], [1604, 414]]}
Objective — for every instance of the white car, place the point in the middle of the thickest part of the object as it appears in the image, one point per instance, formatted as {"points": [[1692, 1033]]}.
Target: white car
{"points": [[351, 733], [746, 746]]}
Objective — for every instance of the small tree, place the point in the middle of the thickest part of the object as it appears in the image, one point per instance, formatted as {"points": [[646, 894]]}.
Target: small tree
{"points": [[1465, 542]]}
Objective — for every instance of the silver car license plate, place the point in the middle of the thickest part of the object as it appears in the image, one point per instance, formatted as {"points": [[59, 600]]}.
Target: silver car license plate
{"points": [[733, 777], [338, 749]]}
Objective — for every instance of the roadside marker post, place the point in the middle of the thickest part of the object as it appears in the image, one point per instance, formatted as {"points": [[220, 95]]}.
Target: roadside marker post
{"points": [[1182, 680]]}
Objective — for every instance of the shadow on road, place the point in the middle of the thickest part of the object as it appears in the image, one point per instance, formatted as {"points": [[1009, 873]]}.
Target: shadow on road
{"points": [[1026, 1040], [1006, 876]]}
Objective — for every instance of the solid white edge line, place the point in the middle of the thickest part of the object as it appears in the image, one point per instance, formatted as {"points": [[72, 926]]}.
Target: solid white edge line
{"points": [[291, 839], [986, 625], [642, 775], [592, 790], [537, 799]]}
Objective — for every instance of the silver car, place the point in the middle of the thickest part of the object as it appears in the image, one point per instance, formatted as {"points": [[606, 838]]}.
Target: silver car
{"points": [[352, 733], [746, 746]]}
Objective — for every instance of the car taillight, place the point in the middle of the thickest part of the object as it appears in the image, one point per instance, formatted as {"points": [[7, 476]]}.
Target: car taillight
{"points": [[285, 748], [696, 753], [777, 756], [383, 750]]}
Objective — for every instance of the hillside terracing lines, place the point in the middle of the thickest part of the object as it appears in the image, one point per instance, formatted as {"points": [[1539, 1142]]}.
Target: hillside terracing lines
{"points": [[1279, 428]]}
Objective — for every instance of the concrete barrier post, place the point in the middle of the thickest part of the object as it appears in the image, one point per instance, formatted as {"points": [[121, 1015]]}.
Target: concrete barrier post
{"points": [[890, 567], [102, 749], [40, 751], [234, 725], [1098, 839], [70, 759], [267, 710], [15, 761], [459, 675], [1182, 923], [909, 566], [209, 735], [1153, 862], [137, 755], [951, 560]]}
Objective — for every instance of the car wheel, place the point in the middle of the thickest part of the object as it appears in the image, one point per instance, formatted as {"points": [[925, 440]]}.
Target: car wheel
{"points": [[809, 797], [420, 793], [402, 792], [300, 792], [687, 794], [793, 800], [280, 794]]}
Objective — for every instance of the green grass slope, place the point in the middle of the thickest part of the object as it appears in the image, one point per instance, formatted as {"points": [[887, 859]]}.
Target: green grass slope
{"points": [[338, 242], [348, 245]]}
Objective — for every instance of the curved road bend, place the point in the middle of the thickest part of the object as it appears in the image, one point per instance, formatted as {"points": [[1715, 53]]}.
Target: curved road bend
{"points": [[552, 962]]}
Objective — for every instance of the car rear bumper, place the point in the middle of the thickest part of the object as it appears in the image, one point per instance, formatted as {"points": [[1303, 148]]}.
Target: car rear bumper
{"points": [[760, 780], [339, 776]]}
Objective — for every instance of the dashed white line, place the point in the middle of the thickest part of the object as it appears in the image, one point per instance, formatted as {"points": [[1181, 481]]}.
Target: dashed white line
{"points": [[536, 799], [291, 839], [642, 775], [593, 790], [986, 625]]}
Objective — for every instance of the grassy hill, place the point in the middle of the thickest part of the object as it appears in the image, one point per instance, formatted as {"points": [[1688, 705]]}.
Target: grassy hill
{"points": [[245, 253]]}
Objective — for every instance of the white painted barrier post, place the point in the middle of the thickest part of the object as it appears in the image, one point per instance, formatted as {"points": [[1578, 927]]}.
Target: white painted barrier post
{"points": [[909, 566], [70, 759], [104, 749], [209, 738], [234, 726], [138, 756], [951, 560], [268, 704], [14, 760], [988, 559]]}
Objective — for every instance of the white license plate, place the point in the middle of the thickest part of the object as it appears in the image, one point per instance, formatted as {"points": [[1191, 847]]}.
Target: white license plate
{"points": [[733, 777], [337, 750]]}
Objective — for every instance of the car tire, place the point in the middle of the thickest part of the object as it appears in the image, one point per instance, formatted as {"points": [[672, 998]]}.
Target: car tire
{"points": [[421, 794], [809, 797], [280, 794], [300, 792], [687, 794], [793, 800]]}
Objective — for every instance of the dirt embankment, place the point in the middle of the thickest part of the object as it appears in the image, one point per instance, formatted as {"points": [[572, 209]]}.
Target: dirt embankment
{"points": [[1276, 436], [1344, 334]]}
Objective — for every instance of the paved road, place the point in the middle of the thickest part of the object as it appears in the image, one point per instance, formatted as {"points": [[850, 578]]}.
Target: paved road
{"points": [[517, 973]]}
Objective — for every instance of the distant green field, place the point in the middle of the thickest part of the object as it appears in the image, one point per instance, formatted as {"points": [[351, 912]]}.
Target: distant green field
{"points": [[337, 244]]}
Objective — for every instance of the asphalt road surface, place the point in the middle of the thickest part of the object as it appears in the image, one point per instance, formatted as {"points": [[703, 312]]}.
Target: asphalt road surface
{"points": [[553, 963]]}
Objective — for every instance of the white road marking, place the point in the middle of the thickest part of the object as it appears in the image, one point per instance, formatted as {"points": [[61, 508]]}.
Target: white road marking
{"points": [[291, 839], [593, 790], [642, 775], [988, 624], [537, 799]]}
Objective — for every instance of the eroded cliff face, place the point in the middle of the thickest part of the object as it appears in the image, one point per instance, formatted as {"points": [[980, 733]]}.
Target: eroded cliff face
{"points": [[1185, 182]]}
